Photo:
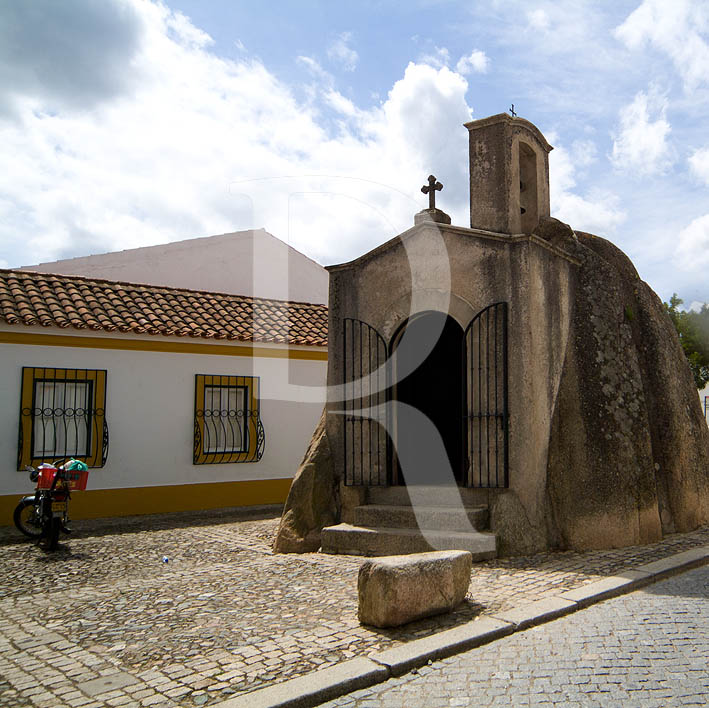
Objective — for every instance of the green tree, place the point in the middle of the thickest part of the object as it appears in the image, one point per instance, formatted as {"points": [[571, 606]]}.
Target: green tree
{"points": [[693, 330]]}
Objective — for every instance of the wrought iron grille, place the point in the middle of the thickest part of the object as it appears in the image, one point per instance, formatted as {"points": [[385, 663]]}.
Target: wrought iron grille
{"points": [[365, 390], [485, 423], [62, 414], [227, 422]]}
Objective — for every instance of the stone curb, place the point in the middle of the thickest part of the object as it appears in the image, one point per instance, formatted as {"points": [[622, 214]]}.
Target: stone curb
{"points": [[608, 587], [537, 612], [418, 652], [324, 685], [314, 688]]}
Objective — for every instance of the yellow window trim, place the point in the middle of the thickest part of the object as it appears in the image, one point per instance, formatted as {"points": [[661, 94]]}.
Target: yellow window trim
{"points": [[31, 374], [188, 347], [252, 422]]}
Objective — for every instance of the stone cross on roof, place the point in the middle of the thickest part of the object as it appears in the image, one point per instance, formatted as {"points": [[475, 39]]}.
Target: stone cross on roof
{"points": [[431, 189]]}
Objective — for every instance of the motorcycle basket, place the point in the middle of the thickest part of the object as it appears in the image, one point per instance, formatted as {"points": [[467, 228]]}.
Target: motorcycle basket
{"points": [[76, 480]]}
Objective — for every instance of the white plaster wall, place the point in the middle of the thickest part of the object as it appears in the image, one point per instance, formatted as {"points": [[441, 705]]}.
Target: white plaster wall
{"points": [[242, 263], [150, 414], [702, 395]]}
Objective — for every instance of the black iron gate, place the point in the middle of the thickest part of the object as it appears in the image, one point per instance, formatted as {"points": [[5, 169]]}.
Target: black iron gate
{"points": [[365, 397], [485, 420]]}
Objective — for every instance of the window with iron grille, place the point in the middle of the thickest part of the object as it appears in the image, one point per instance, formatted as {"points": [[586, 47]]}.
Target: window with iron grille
{"points": [[62, 414], [227, 424]]}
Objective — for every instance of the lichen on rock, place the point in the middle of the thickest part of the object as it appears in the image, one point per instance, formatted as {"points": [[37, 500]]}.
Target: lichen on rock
{"points": [[629, 448]]}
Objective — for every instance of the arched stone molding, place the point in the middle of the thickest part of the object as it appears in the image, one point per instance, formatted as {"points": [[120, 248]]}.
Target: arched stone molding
{"points": [[401, 309]]}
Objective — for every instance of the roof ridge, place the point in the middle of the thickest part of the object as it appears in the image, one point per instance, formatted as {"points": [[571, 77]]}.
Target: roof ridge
{"points": [[171, 244], [152, 245], [171, 288]]}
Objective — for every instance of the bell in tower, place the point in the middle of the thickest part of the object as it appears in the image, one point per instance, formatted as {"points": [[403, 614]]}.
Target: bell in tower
{"points": [[509, 174]]}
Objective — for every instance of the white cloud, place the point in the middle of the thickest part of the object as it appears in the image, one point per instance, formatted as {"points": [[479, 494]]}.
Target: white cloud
{"points": [[597, 211], [640, 145], [678, 29], [583, 152], [439, 58], [314, 67], [340, 103], [185, 32], [692, 252], [476, 61], [538, 19], [341, 52], [370, 177], [699, 164], [199, 145], [423, 108]]}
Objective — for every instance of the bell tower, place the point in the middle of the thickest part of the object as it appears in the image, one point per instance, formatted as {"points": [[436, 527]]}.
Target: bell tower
{"points": [[509, 174]]}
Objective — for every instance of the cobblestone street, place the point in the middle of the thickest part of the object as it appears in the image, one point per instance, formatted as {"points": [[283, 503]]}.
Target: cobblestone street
{"points": [[649, 648], [104, 621]]}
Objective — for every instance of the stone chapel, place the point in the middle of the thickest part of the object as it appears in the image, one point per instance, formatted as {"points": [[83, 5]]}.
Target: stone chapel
{"points": [[507, 387]]}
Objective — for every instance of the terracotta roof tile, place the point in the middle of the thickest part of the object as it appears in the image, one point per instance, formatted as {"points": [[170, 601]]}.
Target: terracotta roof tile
{"points": [[91, 303]]}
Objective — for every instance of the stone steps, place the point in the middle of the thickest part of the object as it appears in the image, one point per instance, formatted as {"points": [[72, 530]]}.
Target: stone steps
{"points": [[385, 541], [428, 517], [400, 520], [445, 496]]}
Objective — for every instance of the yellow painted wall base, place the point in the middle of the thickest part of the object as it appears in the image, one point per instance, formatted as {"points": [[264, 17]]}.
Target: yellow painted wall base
{"points": [[97, 503]]}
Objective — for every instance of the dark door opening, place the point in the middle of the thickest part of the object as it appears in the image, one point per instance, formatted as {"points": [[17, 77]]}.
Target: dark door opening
{"points": [[435, 387]]}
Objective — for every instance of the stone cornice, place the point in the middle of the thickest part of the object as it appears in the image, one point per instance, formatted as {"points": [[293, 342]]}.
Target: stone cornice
{"points": [[459, 230]]}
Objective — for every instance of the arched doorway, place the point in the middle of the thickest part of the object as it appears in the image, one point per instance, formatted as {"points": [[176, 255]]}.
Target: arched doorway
{"points": [[434, 386]]}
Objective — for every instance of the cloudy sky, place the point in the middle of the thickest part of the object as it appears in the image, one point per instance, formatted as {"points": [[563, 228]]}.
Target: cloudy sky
{"points": [[132, 122]]}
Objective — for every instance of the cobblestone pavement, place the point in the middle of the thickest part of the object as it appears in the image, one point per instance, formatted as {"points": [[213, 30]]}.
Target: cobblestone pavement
{"points": [[648, 648], [104, 621]]}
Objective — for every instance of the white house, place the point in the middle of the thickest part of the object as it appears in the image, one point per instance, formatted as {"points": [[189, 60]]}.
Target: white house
{"points": [[242, 263], [177, 399]]}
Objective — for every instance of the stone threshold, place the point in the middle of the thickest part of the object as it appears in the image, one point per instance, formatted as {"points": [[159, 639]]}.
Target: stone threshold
{"points": [[362, 672]]}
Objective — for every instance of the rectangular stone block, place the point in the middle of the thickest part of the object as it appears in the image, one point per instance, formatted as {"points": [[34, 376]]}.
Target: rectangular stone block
{"points": [[394, 590]]}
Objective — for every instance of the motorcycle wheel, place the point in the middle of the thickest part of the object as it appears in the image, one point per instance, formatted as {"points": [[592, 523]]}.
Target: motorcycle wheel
{"points": [[27, 519], [51, 540]]}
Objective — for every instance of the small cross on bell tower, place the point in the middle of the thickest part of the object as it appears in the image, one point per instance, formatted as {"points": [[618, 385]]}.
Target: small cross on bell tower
{"points": [[430, 189], [432, 213]]}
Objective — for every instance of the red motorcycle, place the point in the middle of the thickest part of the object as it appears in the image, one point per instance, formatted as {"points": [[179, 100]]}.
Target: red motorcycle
{"points": [[45, 514]]}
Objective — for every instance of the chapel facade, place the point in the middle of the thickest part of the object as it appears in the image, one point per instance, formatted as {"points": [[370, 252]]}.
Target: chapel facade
{"points": [[503, 388], [467, 326]]}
